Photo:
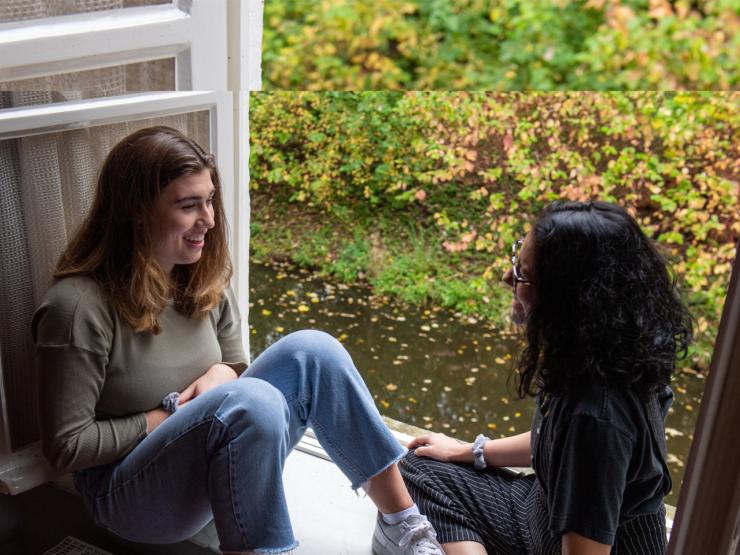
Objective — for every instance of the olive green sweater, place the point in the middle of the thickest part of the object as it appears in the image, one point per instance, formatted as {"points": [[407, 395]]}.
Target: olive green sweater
{"points": [[97, 376]]}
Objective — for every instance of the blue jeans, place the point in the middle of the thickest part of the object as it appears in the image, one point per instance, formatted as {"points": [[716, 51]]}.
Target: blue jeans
{"points": [[221, 456]]}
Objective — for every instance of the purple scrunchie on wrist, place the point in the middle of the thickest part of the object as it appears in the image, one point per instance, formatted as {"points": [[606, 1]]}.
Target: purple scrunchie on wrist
{"points": [[169, 403]]}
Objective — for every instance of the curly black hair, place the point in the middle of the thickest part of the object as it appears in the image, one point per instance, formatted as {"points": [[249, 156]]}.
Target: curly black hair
{"points": [[604, 304]]}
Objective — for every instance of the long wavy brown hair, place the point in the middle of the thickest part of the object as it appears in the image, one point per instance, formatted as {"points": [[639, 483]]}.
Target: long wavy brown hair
{"points": [[114, 245]]}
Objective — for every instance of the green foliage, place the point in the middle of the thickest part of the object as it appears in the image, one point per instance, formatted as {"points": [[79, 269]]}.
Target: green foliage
{"points": [[352, 260], [469, 170], [501, 44]]}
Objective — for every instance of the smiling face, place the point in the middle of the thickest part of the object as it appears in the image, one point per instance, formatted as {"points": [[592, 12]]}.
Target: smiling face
{"points": [[181, 218], [523, 297]]}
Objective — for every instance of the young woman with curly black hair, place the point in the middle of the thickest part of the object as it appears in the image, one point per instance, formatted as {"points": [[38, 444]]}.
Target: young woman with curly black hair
{"points": [[603, 326]]}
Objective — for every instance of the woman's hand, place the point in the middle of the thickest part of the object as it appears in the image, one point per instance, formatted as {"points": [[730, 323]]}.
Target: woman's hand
{"points": [[215, 375], [442, 448]]}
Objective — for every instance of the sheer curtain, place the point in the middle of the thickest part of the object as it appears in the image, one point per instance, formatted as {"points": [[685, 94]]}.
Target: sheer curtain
{"points": [[19, 10], [155, 75], [47, 186]]}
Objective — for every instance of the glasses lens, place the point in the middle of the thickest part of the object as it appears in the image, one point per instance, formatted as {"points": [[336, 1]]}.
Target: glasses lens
{"points": [[515, 260]]}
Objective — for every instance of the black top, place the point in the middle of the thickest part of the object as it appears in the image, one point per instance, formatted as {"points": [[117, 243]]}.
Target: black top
{"points": [[599, 452]]}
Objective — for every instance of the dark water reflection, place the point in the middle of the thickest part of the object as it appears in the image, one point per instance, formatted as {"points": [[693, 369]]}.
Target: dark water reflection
{"points": [[424, 366]]}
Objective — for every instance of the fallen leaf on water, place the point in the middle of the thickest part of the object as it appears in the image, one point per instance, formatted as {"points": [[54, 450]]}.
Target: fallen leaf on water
{"points": [[470, 380], [279, 329], [492, 426], [500, 360], [391, 387], [303, 308], [266, 312]]}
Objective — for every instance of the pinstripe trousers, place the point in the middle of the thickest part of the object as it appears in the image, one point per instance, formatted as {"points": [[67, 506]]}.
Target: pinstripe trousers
{"points": [[506, 513]]}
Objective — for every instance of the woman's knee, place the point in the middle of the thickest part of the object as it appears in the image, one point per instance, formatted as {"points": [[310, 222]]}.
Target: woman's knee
{"points": [[408, 462], [314, 342], [255, 405], [413, 467], [318, 349]]}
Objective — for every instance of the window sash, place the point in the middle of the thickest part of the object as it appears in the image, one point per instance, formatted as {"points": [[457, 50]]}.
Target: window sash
{"points": [[193, 32]]}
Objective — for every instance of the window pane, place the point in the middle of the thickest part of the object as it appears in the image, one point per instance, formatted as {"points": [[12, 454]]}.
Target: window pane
{"points": [[155, 75], [48, 186], [18, 10]]}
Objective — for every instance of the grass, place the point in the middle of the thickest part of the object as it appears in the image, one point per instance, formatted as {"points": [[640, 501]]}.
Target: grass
{"points": [[396, 257]]}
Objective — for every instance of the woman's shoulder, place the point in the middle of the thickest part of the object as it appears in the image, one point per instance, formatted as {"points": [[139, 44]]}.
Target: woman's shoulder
{"points": [[611, 404], [73, 287], [228, 305], [75, 311], [75, 292]]}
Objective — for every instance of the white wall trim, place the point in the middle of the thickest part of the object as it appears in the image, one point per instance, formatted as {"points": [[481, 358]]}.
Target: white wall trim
{"points": [[242, 218], [245, 44]]}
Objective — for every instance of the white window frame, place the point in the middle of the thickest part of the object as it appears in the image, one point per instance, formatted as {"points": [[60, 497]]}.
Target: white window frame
{"points": [[26, 468], [194, 32]]}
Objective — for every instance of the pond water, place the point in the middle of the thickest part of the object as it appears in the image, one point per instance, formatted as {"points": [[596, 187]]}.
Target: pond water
{"points": [[425, 366]]}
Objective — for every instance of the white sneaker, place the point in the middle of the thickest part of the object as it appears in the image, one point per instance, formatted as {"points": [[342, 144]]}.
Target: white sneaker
{"points": [[412, 536]]}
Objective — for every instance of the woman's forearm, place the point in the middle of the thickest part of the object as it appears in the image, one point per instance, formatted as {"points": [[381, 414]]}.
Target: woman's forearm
{"points": [[509, 451]]}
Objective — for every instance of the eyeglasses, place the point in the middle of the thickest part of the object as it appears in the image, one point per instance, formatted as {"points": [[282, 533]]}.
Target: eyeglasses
{"points": [[515, 266]]}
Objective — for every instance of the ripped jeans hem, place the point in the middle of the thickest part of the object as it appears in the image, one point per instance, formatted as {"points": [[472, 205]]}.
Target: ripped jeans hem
{"points": [[365, 484], [259, 550]]}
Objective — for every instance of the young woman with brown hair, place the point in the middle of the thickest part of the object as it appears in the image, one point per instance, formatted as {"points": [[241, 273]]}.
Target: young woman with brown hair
{"points": [[143, 387]]}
